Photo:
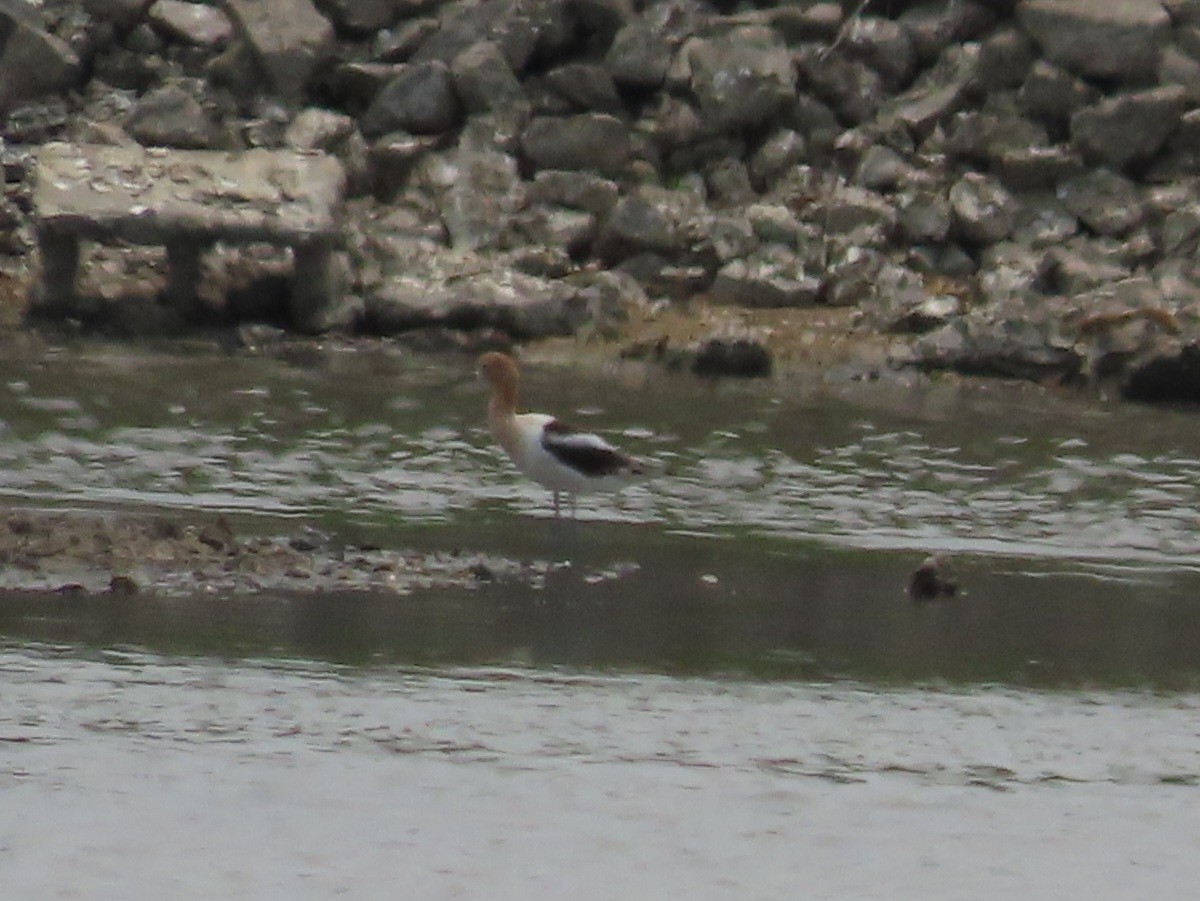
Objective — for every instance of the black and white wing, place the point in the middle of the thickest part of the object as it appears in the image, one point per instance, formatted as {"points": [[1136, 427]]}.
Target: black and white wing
{"points": [[587, 454]]}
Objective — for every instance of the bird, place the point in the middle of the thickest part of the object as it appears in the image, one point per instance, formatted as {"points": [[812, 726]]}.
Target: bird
{"points": [[552, 453], [929, 581]]}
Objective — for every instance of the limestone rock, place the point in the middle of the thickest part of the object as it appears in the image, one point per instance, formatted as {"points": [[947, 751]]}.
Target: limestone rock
{"points": [[522, 305], [575, 190], [923, 217], [1051, 94], [477, 192], [1128, 128], [802, 23], [1116, 38], [361, 17], [190, 23], [589, 142], [290, 40], [334, 133], [486, 83], [32, 62], [1037, 168], [1019, 345], [764, 283], [173, 116], [637, 226], [778, 154], [934, 26], [584, 87], [883, 169], [1107, 203], [124, 14], [420, 100], [515, 26], [983, 136], [1005, 59], [937, 94], [885, 46], [982, 211], [642, 50], [846, 84], [740, 80]]}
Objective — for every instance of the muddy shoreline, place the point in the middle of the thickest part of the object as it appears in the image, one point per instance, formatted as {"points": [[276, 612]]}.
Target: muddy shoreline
{"points": [[180, 554]]}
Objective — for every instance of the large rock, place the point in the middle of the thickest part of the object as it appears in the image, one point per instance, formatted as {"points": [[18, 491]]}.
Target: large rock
{"points": [[1037, 168], [851, 278], [519, 28], [361, 17], [1005, 59], [937, 94], [777, 155], [883, 45], [32, 62], [934, 26], [983, 136], [1051, 94], [190, 23], [765, 283], [642, 50], [122, 13], [334, 133], [637, 226], [522, 305], [982, 210], [1109, 39], [923, 217], [1104, 201], [486, 83], [476, 189], [849, 214], [420, 100], [290, 40], [848, 85], [584, 87], [740, 80], [1071, 270], [574, 190], [174, 116], [1021, 344], [590, 142], [1128, 128]]}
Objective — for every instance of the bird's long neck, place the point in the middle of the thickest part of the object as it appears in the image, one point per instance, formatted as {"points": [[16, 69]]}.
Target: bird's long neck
{"points": [[502, 406]]}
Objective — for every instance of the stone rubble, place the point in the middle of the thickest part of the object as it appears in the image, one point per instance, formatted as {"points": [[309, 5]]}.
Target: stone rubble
{"points": [[1008, 187]]}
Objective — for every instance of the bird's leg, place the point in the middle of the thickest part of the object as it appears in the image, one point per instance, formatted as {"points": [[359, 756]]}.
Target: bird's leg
{"points": [[556, 511]]}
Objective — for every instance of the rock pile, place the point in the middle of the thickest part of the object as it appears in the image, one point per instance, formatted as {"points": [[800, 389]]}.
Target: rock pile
{"points": [[1008, 185]]}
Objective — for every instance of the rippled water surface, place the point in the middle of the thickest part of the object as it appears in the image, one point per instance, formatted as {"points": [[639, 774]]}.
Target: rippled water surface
{"points": [[719, 688], [381, 439]]}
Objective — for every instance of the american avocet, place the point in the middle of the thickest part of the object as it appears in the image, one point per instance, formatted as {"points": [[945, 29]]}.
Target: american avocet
{"points": [[550, 452]]}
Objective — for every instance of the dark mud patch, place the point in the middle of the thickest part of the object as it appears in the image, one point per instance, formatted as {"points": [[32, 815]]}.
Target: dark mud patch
{"points": [[89, 554]]}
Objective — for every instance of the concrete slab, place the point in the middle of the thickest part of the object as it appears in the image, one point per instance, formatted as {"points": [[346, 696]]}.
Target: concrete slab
{"points": [[151, 195], [187, 200]]}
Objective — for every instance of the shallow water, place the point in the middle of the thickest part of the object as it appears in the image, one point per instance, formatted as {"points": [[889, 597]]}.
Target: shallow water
{"points": [[139, 777], [719, 688]]}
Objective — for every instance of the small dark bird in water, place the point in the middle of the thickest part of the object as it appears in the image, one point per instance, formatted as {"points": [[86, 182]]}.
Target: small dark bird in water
{"points": [[929, 582]]}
